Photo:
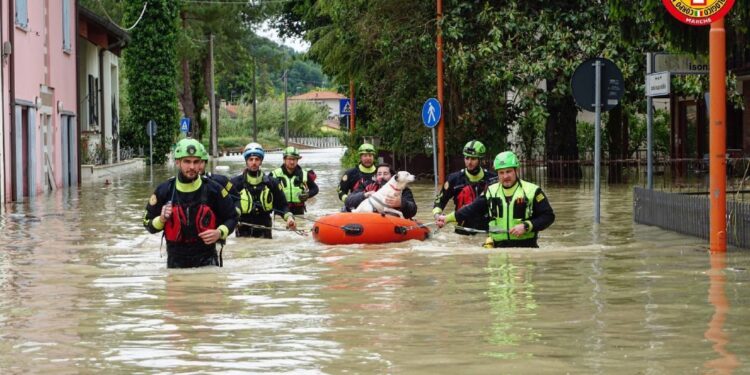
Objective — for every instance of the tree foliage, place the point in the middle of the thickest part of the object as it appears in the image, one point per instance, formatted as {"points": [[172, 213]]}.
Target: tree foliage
{"points": [[149, 69]]}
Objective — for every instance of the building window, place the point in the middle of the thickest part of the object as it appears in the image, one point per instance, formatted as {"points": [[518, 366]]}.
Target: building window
{"points": [[22, 13], [66, 25], [93, 101]]}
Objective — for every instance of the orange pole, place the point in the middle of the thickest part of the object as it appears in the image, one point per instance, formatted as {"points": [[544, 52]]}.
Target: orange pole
{"points": [[441, 123], [351, 103], [718, 136]]}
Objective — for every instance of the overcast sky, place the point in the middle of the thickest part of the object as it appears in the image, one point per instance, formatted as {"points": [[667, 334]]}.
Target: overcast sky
{"points": [[298, 45]]}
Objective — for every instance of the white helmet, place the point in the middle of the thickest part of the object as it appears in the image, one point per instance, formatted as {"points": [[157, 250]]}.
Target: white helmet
{"points": [[255, 149]]}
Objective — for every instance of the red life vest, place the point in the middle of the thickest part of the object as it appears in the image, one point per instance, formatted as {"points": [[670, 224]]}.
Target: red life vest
{"points": [[187, 221], [465, 196]]}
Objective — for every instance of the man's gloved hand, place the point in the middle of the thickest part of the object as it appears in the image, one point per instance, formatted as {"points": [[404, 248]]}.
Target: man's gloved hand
{"points": [[291, 224], [303, 196], [440, 220]]}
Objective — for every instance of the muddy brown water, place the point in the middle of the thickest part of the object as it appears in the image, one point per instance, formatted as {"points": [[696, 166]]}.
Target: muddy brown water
{"points": [[84, 289]]}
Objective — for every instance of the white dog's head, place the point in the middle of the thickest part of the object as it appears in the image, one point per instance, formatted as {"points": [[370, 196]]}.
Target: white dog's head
{"points": [[401, 179]]}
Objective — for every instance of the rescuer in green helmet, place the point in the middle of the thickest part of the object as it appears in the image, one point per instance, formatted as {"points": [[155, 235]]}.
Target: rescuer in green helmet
{"points": [[465, 185], [518, 210], [298, 183], [356, 179], [193, 213]]}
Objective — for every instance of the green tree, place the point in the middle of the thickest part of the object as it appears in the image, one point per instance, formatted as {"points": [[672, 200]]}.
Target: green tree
{"points": [[149, 68]]}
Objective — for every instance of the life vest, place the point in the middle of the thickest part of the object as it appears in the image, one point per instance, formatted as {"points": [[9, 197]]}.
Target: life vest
{"points": [[467, 192], [364, 179], [256, 198], [292, 186], [189, 220], [504, 215]]}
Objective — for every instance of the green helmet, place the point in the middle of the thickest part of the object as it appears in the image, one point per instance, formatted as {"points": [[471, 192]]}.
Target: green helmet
{"points": [[474, 149], [291, 152], [188, 147], [506, 159], [366, 148], [204, 153]]}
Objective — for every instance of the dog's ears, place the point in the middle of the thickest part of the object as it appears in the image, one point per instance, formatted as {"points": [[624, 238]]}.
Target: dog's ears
{"points": [[396, 176]]}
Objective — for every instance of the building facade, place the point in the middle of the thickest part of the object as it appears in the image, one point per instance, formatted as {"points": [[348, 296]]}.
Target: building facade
{"points": [[40, 145]]}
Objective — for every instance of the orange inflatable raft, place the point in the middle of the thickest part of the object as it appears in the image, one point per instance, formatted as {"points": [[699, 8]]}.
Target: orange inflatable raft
{"points": [[358, 227]]}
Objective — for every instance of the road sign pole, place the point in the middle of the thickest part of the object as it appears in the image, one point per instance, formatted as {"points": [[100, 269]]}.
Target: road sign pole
{"points": [[434, 159], [151, 152], [649, 129], [597, 135]]}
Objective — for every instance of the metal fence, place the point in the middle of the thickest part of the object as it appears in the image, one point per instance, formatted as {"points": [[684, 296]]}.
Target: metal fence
{"points": [[317, 142], [689, 214]]}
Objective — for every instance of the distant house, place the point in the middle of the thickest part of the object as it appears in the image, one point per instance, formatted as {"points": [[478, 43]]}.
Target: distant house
{"points": [[100, 43], [40, 138], [329, 99]]}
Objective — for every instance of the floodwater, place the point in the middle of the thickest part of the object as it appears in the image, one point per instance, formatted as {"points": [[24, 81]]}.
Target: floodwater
{"points": [[84, 289]]}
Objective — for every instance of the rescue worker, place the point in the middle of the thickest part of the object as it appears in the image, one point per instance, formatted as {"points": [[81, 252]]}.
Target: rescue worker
{"points": [[193, 213], [405, 204], [258, 196], [465, 185], [357, 178], [219, 179], [518, 210], [298, 183]]}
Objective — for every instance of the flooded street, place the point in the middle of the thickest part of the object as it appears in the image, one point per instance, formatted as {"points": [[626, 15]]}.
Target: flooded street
{"points": [[84, 288]]}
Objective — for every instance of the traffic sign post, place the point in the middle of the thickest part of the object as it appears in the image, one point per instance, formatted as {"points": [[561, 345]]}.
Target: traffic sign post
{"points": [[345, 107], [151, 131], [587, 84], [185, 125], [431, 113]]}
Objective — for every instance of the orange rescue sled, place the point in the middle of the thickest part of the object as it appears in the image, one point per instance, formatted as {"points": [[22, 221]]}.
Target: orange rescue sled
{"points": [[358, 227]]}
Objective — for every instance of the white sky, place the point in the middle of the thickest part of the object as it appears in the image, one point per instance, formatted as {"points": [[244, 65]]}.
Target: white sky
{"points": [[298, 45]]}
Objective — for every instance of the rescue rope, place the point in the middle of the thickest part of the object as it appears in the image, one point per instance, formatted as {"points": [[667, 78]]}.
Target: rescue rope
{"points": [[301, 232]]}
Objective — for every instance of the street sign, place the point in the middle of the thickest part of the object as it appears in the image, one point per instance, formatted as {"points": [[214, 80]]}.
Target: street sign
{"points": [[680, 64], [431, 112], [345, 107], [151, 128], [658, 84], [612, 85], [185, 124]]}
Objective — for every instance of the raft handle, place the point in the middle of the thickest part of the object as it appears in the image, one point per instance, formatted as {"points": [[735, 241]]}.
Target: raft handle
{"points": [[353, 229]]}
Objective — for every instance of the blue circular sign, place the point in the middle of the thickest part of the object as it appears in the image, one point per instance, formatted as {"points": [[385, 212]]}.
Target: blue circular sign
{"points": [[431, 112]]}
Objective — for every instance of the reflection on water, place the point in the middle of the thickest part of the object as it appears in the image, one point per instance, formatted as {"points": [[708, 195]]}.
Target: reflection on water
{"points": [[84, 288], [715, 333]]}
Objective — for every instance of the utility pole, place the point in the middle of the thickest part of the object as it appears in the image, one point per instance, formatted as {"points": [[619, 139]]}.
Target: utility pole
{"points": [[255, 118], [441, 123], [212, 98], [286, 115]]}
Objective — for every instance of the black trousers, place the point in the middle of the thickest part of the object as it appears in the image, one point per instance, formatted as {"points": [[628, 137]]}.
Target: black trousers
{"points": [[531, 242], [297, 208], [191, 255], [253, 230]]}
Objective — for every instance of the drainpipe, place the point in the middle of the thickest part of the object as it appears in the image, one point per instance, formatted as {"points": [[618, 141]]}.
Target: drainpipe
{"points": [[100, 97], [74, 41], [11, 98]]}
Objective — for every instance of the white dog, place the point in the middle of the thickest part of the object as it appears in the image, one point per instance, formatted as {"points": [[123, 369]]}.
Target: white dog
{"points": [[390, 192]]}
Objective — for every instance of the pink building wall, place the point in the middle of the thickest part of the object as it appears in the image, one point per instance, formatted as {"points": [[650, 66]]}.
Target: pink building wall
{"points": [[39, 60]]}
